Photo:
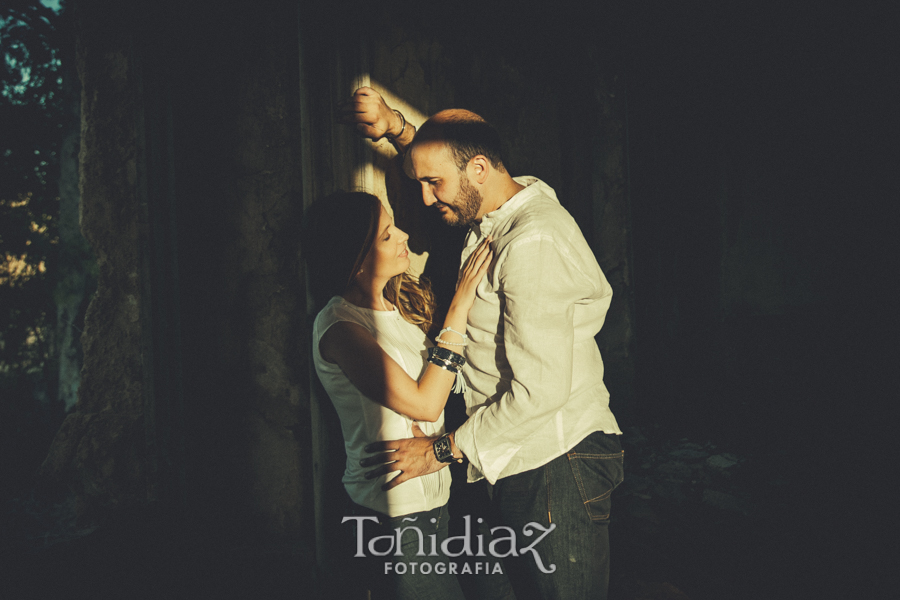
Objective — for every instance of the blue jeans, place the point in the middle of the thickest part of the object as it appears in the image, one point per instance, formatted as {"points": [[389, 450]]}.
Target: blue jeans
{"points": [[571, 492], [394, 577]]}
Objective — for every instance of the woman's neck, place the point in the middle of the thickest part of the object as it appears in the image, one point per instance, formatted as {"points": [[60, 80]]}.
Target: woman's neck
{"points": [[368, 295]]}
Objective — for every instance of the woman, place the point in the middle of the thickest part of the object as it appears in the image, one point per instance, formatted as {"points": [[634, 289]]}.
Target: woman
{"points": [[381, 372]]}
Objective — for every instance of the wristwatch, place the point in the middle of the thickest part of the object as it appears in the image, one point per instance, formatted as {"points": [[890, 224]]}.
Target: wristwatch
{"points": [[443, 451]]}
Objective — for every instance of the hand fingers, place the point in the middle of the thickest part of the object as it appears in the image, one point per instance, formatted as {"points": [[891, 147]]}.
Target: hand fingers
{"points": [[382, 470], [354, 119], [355, 116], [479, 258], [369, 131], [383, 446], [485, 264], [479, 251], [417, 432], [484, 248], [355, 110], [377, 459], [355, 106], [350, 112], [484, 251], [363, 94]]}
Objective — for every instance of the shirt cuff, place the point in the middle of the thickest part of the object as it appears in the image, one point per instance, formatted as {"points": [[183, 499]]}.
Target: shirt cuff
{"points": [[488, 462], [464, 438]]}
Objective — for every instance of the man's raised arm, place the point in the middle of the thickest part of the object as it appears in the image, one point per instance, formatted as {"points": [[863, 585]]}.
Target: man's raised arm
{"points": [[374, 119]]}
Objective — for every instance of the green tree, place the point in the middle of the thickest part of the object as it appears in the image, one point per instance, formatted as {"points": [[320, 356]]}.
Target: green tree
{"points": [[35, 116], [31, 125]]}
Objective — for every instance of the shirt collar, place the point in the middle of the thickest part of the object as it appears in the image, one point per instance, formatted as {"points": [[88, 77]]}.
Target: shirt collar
{"points": [[533, 187]]}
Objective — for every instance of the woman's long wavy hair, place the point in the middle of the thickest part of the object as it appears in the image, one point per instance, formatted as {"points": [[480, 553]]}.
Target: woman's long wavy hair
{"points": [[338, 234]]}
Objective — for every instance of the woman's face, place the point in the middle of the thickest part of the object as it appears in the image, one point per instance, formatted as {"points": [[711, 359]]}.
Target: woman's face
{"points": [[388, 255]]}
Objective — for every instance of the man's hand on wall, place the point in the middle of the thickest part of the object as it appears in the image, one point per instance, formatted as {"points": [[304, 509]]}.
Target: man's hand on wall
{"points": [[370, 114]]}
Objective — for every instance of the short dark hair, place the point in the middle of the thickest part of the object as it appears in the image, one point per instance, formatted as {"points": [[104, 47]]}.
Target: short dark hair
{"points": [[466, 134]]}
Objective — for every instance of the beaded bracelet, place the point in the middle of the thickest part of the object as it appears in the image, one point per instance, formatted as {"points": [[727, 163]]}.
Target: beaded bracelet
{"points": [[465, 338]]}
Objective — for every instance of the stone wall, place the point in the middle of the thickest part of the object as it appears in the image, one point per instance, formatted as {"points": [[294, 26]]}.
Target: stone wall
{"points": [[100, 449], [194, 387], [243, 301]]}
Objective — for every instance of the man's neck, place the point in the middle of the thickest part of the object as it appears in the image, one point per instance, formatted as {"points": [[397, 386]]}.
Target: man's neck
{"points": [[506, 189]]}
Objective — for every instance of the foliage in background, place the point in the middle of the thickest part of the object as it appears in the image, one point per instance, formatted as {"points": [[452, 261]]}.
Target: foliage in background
{"points": [[33, 119]]}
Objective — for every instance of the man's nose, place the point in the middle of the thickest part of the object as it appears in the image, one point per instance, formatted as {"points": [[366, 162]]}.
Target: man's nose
{"points": [[427, 197]]}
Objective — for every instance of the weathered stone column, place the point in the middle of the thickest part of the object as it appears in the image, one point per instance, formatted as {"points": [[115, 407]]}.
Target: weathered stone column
{"points": [[100, 448], [194, 387]]}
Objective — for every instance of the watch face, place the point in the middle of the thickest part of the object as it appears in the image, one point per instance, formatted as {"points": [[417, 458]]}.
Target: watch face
{"points": [[442, 449]]}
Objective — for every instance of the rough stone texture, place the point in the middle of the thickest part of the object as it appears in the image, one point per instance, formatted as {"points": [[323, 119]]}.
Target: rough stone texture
{"points": [[681, 503], [243, 301], [679, 477], [238, 286], [724, 501], [76, 281], [611, 227], [99, 447], [265, 269]]}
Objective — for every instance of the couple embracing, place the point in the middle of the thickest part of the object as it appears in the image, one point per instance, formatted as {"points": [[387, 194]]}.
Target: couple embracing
{"points": [[518, 340]]}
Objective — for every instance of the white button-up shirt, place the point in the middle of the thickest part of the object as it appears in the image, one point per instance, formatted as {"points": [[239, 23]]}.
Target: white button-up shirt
{"points": [[534, 371]]}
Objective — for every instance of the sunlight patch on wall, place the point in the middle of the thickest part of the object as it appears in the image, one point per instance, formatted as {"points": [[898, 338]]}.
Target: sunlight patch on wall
{"points": [[371, 175]]}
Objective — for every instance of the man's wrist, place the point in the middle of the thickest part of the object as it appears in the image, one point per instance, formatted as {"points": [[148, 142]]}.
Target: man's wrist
{"points": [[398, 125], [401, 136], [445, 449], [457, 453]]}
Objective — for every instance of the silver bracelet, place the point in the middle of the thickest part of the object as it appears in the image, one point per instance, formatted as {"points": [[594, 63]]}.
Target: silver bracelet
{"points": [[402, 128], [444, 364], [446, 354]]}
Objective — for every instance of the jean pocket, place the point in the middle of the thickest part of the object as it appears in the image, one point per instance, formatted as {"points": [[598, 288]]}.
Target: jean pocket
{"points": [[597, 475]]}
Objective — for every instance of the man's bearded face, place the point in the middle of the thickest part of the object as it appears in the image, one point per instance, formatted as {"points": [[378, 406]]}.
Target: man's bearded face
{"points": [[464, 209]]}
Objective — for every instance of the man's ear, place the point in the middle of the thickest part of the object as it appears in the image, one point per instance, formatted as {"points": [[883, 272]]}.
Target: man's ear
{"points": [[407, 164], [479, 168]]}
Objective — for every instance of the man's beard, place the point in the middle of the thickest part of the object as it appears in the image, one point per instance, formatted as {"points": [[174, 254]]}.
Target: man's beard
{"points": [[466, 205]]}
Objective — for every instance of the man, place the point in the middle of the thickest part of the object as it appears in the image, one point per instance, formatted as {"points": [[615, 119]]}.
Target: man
{"points": [[539, 429]]}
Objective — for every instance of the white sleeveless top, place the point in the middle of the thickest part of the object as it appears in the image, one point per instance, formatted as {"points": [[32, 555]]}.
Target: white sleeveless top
{"points": [[364, 421]]}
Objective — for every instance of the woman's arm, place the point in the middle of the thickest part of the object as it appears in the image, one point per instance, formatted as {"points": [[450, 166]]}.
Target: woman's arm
{"points": [[379, 377]]}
